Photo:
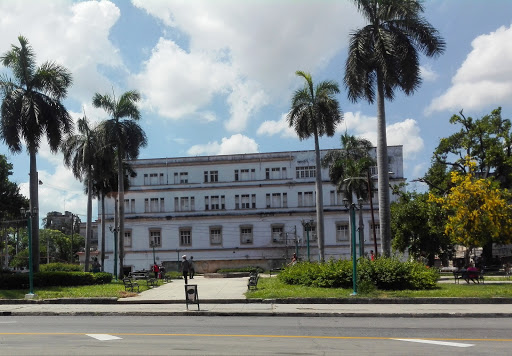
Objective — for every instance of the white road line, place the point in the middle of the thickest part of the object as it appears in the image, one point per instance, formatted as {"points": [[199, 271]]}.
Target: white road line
{"points": [[442, 343], [103, 337]]}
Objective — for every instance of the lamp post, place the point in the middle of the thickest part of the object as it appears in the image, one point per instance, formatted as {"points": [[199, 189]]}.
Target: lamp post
{"points": [[361, 228], [29, 214], [352, 211], [114, 230], [307, 225], [153, 245]]}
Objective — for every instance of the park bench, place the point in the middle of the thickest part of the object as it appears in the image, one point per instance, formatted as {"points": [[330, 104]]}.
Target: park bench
{"points": [[475, 276], [253, 281], [144, 275], [130, 284], [152, 282]]}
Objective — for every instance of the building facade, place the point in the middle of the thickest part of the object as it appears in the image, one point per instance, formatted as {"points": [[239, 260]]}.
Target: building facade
{"points": [[234, 211]]}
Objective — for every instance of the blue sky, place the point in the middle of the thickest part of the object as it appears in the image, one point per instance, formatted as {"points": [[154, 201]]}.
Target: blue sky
{"points": [[216, 77]]}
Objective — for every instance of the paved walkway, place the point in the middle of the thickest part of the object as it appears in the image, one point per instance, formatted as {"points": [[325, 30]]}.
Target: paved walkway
{"points": [[225, 297]]}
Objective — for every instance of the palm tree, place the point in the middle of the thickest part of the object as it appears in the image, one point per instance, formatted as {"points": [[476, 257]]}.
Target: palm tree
{"points": [[315, 112], [126, 137], [383, 56], [80, 155], [352, 161], [32, 108]]}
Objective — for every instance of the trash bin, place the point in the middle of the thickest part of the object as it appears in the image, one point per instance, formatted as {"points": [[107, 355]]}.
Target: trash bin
{"points": [[191, 295]]}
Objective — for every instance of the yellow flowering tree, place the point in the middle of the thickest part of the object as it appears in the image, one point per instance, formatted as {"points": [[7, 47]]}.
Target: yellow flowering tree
{"points": [[478, 211]]}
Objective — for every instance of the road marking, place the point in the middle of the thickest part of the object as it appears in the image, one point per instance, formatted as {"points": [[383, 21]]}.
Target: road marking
{"points": [[103, 337], [433, 342]]}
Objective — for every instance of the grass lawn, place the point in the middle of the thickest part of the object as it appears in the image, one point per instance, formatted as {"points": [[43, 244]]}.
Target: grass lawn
{"points": [[270, 288], [114, 289]]}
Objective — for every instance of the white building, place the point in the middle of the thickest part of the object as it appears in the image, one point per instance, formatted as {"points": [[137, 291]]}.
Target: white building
{"points": [[233, 211]]}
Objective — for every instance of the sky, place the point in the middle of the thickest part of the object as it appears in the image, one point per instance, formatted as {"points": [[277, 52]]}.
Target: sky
{"points": [[217, 77]]}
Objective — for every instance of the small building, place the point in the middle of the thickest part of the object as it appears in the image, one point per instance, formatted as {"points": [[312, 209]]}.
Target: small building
{"points": [[234, 210]]}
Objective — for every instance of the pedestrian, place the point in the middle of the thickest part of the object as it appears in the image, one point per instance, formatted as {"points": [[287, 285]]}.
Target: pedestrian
{"points": [[185, 267], [156, 269], [372, 256], [191, 267], [294, 260]]}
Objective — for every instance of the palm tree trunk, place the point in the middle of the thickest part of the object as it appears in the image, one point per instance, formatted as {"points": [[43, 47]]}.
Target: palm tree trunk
{"points": [[120, 207], [34, 209], [319, 203], [382, 165], [103, 225], [88, 225]]}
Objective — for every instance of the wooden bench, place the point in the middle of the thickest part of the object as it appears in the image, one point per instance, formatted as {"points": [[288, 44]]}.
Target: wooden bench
{"points": [[253, 281], [475, 276], [130, 284]]}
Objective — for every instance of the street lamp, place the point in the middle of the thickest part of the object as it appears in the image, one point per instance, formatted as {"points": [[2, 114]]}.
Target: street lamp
{"points": [[153, 245], [114, 230], [352, 211], [361, 228], [307, 225], [29, 214]]}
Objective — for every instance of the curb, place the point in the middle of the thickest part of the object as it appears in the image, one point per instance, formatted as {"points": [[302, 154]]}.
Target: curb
{"points": [[268, 314], [355, 300]]}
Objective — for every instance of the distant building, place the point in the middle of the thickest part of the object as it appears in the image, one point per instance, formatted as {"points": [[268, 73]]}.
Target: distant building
{"points": [[234, 210], [62, 222]]}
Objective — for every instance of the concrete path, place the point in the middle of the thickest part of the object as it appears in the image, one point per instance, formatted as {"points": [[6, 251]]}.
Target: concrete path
{"points": [[207, 289]]}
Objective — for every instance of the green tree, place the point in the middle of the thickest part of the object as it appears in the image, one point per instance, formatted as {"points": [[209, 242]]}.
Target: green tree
{"points": [[487, 140], [352, 161], [81, 155], [126, 137], [31, 108], [315, 112], [11, 201], [417, 227], [383, 56]]}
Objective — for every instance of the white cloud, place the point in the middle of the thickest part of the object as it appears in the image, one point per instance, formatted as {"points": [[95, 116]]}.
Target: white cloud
{"points": [[406, 133], [428, 74], [75, 36], [235, 144], [485, 77], [281, 127], [247, 51]]}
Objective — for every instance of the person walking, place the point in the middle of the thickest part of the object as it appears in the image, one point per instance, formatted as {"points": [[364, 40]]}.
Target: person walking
{"points": [[191, 267], [156, 269], [185, 267]]}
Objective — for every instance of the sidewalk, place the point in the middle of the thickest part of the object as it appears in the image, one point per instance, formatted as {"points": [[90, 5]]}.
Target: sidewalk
{"points": [[225, 297]]}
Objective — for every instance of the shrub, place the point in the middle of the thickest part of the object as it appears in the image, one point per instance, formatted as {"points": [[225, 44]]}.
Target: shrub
{"points": [[241, 269], [63, 267], [383, 273], [48, 279], [174, 275]]}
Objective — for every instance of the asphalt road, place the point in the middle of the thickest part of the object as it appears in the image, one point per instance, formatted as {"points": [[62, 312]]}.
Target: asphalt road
{"points": [[97, 335]]}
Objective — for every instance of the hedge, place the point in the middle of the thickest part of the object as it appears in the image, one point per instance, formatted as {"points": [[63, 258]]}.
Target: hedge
{"points": [[383, 273], [50, 279]]}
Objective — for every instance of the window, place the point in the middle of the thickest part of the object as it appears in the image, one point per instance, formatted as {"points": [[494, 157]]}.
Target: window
{"points": [[342, 232], [248, 201], [186, 236], [245, 174], [377, 230], [153, 178], [277, 200], [306, 172], [127, 238], [253, 200], [129, 205], [154, 205], [246, 234], [215, 235], [236, 175], [183, 177], [275, 173], [306, 199], [277, 234], [215, 202], [155, 238], [245, 201], [184, 204], [212, 176]]}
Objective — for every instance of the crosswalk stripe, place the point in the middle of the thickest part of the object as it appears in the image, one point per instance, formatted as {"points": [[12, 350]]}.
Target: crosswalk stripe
{"points": [[103, 337]]}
